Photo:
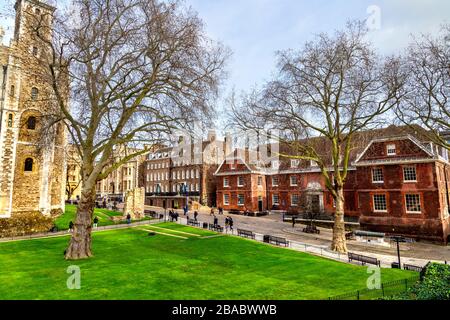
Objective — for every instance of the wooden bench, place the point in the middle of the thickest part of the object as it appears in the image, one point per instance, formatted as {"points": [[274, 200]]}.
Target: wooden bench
{"points": [[363, 259], [214, 227], [246, 234], [411, 267], [193, 223], [350, 235], [150, 213], [311, 229], [276, 240]]}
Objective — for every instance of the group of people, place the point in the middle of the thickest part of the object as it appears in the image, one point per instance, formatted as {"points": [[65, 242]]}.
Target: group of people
{"points": [[173, 215], [228, 222]]}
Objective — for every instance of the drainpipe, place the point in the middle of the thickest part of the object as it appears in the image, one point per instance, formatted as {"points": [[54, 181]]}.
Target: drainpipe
{"points": [[2, 105]]}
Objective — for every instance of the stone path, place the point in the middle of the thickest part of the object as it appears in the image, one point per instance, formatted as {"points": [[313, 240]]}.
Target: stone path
{"points": [[67, 233]]}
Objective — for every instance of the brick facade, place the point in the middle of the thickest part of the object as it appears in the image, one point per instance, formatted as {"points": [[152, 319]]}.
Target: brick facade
{"points": [[175, 176], [397, 184]]}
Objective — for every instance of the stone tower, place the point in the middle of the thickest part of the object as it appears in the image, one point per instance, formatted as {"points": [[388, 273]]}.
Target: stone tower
{"points": [[32, 173]]}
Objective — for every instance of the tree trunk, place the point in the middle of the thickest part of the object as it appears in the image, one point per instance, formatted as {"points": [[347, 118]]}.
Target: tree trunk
{"points": [[80, 243], [339, 243]]}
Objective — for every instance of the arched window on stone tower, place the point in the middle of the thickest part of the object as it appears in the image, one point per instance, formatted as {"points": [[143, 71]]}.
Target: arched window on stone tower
{"points": [[31, 123], [28, 165], [34, 93]]}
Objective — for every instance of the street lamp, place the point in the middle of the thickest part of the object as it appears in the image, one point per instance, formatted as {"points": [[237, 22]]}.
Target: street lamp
{"points": [[184, 191], [398, 240]]}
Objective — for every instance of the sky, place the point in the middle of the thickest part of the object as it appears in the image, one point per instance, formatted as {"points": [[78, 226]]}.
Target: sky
{"points": [[255, 30]]}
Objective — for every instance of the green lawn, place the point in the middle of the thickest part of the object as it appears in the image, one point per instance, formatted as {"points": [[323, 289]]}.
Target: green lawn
{"points": [[62, 222], [190, 264]]}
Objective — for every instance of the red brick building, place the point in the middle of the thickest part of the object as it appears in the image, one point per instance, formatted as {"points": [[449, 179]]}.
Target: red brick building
{"points": [[398, 183]]}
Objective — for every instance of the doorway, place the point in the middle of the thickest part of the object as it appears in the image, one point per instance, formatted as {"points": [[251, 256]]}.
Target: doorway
{"points": [[260, 204]]}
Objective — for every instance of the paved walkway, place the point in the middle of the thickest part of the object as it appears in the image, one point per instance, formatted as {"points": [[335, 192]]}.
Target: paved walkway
{"points": [[67, 233], [417, 253]]}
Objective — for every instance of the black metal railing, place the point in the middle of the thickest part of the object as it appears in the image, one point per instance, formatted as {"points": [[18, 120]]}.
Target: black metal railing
{"points": [[388, 289]]}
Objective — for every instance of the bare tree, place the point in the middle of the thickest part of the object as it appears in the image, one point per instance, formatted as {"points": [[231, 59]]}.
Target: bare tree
{"points": [[322, 98], [428, 100], [137, 69]]}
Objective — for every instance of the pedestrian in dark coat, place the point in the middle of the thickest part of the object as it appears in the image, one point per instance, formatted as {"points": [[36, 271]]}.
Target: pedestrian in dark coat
{"points": [[230, 223]]}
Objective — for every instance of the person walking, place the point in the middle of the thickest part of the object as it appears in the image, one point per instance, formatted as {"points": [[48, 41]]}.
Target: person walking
{"points": [[230, 223], [185, 210], [216, 220], [227, 224], [128, 218], [221, 211], [211, 213], [293, 222], [195, 215], [71, 226], [95, 222]]}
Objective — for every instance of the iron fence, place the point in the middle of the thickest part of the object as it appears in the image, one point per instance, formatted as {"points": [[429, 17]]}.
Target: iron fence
{"points": [[387, 289]]}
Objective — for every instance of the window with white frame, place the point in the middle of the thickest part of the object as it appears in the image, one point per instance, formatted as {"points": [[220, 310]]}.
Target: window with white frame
{"points": [[313, 164], [379, 203], [174, 175], [197, 174], [294, 181], [197, 187], [275, 164], [241, 199], [240, 181], [226, 199], [275, 199], [226, 182], [409, 174], [295, 163], [377, 175], [295, 200], [275, 181], [413, 204], [391, 150], [260, 181]]}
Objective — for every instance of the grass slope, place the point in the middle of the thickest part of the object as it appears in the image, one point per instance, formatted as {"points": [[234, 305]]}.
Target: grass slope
{"points": [[128, 264]]}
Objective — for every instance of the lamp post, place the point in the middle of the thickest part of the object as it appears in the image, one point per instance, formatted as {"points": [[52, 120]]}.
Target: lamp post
{"points": [[158, 193], [184, 191], [398, 240]]}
